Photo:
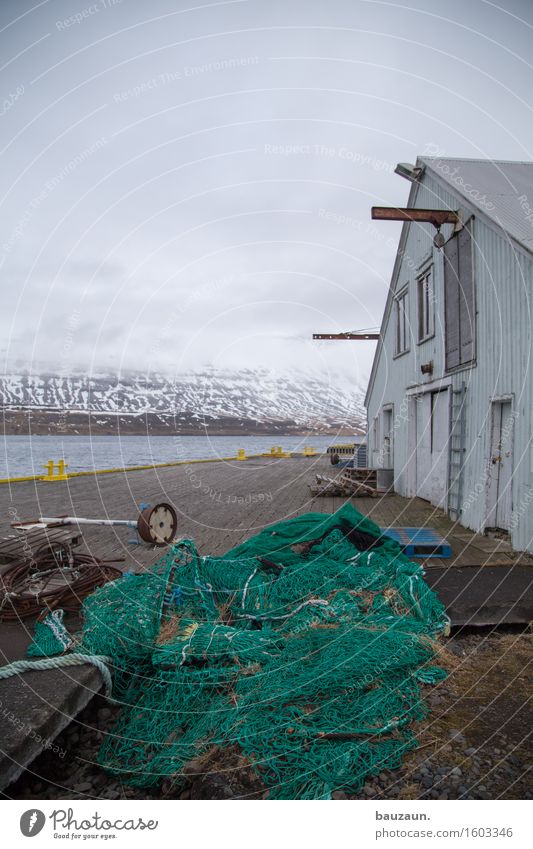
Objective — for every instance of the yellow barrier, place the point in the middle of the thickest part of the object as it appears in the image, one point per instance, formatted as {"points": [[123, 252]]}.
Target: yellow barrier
{"points": [[51, 475], [24, 478], [277, 452], [61, 474]]}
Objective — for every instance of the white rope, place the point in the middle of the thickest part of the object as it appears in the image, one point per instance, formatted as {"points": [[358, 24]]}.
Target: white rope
{"points": [[253, 574], [312, 601], [99, 661], [54, 620]]}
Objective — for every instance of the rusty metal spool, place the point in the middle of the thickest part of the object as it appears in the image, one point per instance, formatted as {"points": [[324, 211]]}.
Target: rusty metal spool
{"points": [[158, 525]]}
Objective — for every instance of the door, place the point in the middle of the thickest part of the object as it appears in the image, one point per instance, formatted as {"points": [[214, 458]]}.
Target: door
{"points": [[432, 434], [500, 469], [423, 446], [388, 434], [440, 429]]}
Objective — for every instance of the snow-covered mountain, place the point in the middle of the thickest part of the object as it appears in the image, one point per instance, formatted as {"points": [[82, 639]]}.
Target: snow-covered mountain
{"points": [[221, 399]]}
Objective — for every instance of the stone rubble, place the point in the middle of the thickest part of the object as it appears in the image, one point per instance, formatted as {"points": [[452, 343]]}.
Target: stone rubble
{"points": [[450, 767]]}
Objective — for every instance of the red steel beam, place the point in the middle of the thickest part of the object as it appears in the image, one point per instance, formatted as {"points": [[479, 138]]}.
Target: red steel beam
{"points": [[437, 217], [359, 336]]}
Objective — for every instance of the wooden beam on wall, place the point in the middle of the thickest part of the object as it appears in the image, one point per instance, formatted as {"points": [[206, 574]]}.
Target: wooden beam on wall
{"points": [[359, 336], [437, 217]]}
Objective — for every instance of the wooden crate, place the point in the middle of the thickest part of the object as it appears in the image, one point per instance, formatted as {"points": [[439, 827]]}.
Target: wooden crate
{"points": [[22, 545]]}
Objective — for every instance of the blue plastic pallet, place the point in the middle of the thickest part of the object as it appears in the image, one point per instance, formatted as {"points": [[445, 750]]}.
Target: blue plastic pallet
{"points": [[420, 542]]}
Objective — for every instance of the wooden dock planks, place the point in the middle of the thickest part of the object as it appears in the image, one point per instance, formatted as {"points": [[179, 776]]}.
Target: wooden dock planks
{"points": [[219, 505]]}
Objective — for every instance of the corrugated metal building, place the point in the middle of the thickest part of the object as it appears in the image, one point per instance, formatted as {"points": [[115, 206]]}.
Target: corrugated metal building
{"points": [[450, 398]]}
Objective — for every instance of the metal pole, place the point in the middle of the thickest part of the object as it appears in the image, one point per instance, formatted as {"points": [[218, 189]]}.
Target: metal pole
{"points": [[74, 520]]}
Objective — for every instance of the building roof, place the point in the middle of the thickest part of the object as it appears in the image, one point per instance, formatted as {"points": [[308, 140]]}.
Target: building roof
{"points": [[502, 190]]}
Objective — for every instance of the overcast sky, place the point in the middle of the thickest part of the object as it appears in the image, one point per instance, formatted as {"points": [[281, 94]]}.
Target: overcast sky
{"points": [[185, 183]]}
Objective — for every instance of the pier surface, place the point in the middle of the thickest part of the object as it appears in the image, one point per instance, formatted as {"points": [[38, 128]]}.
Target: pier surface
{"points": [[219, 505]]}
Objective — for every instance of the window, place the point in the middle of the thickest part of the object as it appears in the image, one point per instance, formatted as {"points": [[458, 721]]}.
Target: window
{"points": [[375, 433], [387, 413], [426, 304], [401, 306], [458, 300]]}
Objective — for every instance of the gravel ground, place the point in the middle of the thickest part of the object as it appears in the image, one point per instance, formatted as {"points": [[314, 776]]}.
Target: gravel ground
{"points": [[475, 744]]}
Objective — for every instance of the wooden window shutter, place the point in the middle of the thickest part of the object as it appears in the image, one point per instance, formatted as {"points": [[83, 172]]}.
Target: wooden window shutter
{"points": [[466, 295], [452, 344], [459, 309]]}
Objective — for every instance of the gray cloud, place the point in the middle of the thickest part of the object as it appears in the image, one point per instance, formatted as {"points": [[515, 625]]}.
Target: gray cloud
{"points": [[194, 186]]}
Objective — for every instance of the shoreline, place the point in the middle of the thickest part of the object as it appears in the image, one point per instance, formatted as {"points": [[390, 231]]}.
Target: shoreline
{"points": [[32, 422], [153, 466]]}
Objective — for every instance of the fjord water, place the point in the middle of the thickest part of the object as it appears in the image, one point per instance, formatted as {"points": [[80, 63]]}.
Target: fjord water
{"points": [[25, 455]]}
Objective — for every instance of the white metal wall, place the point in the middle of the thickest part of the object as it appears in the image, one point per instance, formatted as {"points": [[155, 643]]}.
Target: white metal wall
{"points": [[504, 291], [503, 280]]}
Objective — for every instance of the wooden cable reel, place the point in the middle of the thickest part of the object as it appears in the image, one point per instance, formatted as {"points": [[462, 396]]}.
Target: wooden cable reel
{"points": [[158, 525]]}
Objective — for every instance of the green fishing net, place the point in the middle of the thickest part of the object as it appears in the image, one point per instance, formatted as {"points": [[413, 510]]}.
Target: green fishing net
{"points": [[306, 647], [50, 636]]}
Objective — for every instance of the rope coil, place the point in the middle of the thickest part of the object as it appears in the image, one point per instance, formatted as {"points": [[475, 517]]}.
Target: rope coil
{"points": [[100, 662]]}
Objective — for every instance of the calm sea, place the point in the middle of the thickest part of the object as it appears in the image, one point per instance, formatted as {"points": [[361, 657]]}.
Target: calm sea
{"points": [[24, 455]]}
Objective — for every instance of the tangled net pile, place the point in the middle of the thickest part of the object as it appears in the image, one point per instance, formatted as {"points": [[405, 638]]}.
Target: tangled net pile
{"points": [[306, 648]]}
